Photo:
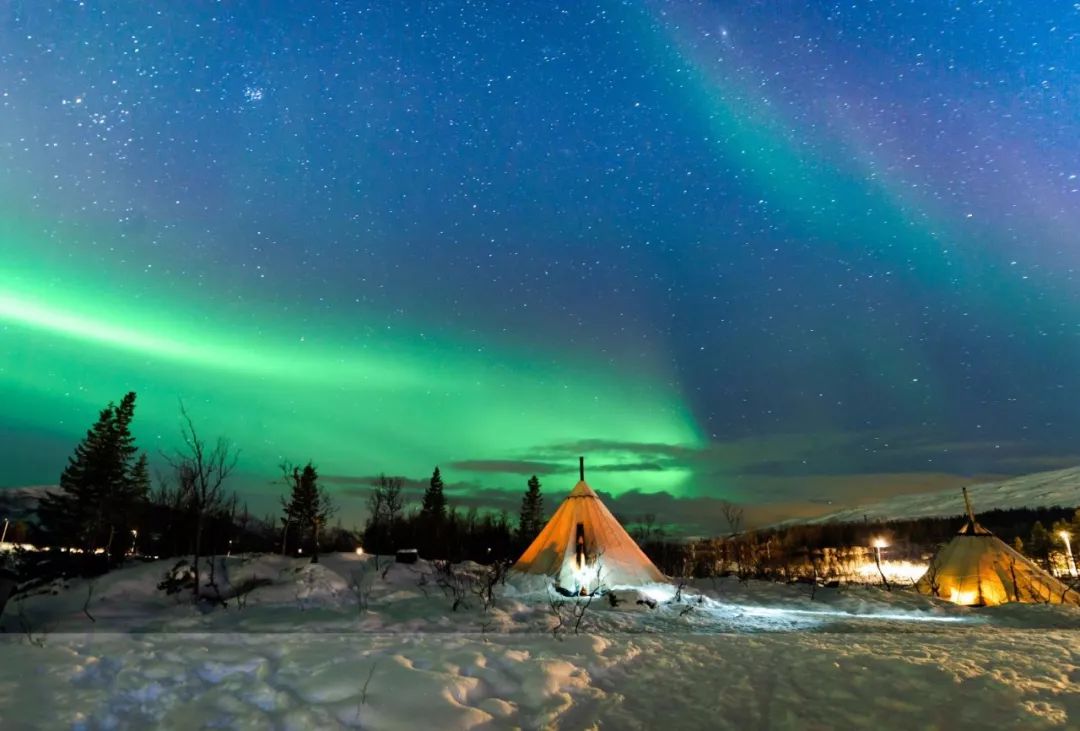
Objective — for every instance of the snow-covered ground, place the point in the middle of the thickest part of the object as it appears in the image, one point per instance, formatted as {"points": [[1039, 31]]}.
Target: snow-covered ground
{"points": [[1060, 488], [305, 653]]}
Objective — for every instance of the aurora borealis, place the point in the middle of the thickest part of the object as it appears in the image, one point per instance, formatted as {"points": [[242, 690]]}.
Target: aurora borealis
{"points": [[778, 253]]}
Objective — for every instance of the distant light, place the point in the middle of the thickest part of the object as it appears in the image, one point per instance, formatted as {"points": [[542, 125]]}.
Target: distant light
{"points": [[899, 571], [880, 543], [359, 551], [1065, 535]]}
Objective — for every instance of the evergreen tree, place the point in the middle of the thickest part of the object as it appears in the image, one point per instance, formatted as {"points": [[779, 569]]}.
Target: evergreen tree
{"points": [[308, 507], [433, 507], [101, 488], [531, 519], [131, 510], [132, 485], [72, 516], [1039, 544], [1018, 544]]}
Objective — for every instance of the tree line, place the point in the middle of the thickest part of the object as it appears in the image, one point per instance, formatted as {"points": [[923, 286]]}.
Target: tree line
{"points": [[107, 509], [802, 550], [438, 530]]}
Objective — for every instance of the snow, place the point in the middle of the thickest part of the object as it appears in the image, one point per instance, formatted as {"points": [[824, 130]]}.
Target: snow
{"points": [[304, 654], [1060, 488]]}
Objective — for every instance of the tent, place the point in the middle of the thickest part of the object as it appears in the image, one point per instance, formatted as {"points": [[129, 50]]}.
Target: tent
{"points": [[976, 568], [583, 547]]}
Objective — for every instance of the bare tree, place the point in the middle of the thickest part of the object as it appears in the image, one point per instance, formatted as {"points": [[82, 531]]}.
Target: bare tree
{"points": [[327, 509], [492, 576], [89, 598], [457, 585], [385, 506], [555, 605], [361, 586], [201, 471], [364, 688], [733, 516], [647, 530]]}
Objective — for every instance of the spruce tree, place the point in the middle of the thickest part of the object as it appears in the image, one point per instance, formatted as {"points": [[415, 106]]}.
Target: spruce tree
{"points": [[131, 483], [73, 515], [531, 519], [433, 506], [308, 508], [102, 486]]}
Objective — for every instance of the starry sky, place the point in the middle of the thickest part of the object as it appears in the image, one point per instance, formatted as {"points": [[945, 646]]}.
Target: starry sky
{"points": [[795, 255]]}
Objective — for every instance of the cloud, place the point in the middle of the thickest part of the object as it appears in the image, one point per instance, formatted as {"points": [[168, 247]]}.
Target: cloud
{"points": [[508, 466], [571, 450], [629, 467]]}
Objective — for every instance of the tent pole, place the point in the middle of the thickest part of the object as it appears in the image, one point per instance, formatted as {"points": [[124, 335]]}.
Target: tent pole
{"points": [[581, 468], [967, 504]]}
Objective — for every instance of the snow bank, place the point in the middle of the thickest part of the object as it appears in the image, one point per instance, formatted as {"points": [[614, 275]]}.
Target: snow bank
{"points": [[357, 643]]}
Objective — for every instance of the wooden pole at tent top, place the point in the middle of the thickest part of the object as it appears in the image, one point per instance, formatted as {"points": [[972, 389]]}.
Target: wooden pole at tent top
{"points": [[967, 504], [581, 468]]}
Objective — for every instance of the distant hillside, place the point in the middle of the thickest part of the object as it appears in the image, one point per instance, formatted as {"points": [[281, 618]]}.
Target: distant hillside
{"points": [[20, 503], [1040, 490]]}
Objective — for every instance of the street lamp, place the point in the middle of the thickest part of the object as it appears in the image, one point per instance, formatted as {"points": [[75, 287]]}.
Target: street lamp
{"points": [[1068, 552]]}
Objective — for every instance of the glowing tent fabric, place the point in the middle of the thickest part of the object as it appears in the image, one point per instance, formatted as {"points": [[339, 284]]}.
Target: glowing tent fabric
{"points": [[977, 568], [584, 547]]}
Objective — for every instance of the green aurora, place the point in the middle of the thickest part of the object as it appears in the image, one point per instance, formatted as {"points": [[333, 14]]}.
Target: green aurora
{"points": [[356, 399]]}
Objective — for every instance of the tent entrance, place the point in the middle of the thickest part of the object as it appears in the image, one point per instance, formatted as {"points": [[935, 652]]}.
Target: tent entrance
{"points": [[579, 546]]}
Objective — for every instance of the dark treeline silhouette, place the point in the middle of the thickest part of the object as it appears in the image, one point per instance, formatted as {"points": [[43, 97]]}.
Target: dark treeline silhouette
{"points": [[789, 552], [106, 511], [440, 531]]}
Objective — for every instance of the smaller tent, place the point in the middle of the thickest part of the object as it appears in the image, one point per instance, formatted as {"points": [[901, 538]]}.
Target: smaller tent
{"points": [[976, 568], [583, 547]]}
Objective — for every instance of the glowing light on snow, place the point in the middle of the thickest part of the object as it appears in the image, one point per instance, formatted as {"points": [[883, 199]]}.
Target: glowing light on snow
{"points": [[830, 613], [898, 571], [585, 574], [359, 551], [966, 598], [880, 543]]}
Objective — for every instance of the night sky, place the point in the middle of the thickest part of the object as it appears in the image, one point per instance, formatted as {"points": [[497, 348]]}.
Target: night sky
{"points": [[781, 253]]}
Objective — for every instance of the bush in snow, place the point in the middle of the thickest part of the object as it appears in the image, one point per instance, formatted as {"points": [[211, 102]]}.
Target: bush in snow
{"points": [[457, 585], [179, 578]]}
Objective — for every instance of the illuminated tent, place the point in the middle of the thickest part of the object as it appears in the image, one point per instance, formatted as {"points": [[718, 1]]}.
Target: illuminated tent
{"points": [[976, 568], [583, 547]]}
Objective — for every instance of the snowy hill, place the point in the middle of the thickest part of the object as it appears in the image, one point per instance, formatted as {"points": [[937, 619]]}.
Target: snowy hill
{"points": [[1060, 488]]}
